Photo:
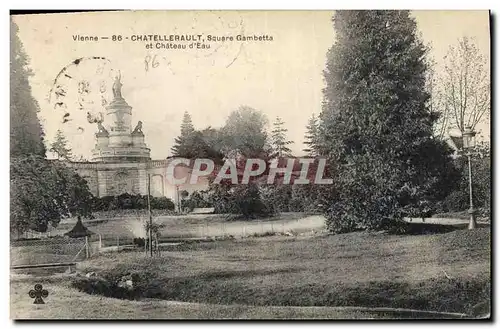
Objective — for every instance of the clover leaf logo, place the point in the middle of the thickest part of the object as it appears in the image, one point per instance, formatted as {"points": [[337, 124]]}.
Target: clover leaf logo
{"points": [[38, 294]]}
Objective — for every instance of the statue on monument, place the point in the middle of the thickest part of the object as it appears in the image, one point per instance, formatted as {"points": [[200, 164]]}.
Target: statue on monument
{"points": [[95, 118], [101, 129], [99, 120], [138, 128], [117, 86]]}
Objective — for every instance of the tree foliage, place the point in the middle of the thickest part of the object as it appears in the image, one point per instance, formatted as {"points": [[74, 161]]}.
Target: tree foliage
{"points": [[435, 103], [458, 199], [195, 144], [276, 197], [245, 200], [43, 192], [242, 137], [213, 142], [312, 136], [377, 129], [131, 201], [244, 133], [308, 197], [197, 199], [279, 141], [184, 142], [26, 134], [60, 147]]}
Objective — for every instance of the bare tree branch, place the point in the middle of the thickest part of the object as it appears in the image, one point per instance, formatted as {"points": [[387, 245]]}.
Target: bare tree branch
{"points": [[466, 85]]}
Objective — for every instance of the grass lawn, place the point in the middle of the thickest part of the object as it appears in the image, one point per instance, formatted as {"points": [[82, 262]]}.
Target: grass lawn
{"points": [[65, 302], [441, 272]]}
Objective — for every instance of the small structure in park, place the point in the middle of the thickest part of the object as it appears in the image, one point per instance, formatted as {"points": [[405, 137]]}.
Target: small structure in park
{"points": [[79, 230]]}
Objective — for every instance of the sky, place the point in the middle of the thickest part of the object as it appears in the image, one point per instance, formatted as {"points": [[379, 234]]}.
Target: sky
{"points": [[282, 77]]}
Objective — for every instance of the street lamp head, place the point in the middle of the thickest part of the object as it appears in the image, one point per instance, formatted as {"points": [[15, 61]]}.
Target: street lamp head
{"points": [[469, 138]]}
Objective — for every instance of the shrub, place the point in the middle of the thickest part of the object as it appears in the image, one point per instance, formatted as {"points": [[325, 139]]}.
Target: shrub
{"points": [[306, 198], [162, 203], [105, 287], [244, 200], [196, 200], [458, 199], [94, 286], [139, 242], [276, 198], [129, 201]]}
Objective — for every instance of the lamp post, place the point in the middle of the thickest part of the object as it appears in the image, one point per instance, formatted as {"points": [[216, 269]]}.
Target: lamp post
{"points": [[469, 141], [150, 231], [178, 199]]}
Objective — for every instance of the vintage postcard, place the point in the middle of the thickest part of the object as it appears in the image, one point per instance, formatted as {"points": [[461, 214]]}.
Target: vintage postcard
{"points": [[250, 165]]}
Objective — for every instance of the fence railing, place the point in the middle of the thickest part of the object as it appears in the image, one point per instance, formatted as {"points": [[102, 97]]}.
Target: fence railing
{"points": [[56, 249], [119, 234]]}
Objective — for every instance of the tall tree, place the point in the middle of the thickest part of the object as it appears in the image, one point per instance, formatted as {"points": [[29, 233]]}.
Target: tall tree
{"points": [[279, 142], [435, 102], [60, 147], [243, 136], [377, 129], [195, 144], [213, 143], [26, 134], [183, 142], [466, 85], [245, 133], [312, 135], [198, 146], [41, 191]]}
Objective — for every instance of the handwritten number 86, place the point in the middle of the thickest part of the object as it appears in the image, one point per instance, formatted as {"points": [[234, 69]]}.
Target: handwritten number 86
{"points": [[151, 60]]}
